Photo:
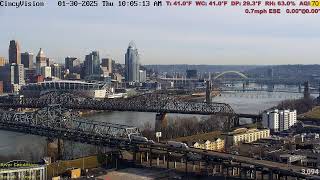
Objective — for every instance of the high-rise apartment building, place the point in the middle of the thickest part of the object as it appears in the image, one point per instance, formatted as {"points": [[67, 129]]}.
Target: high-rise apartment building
{"points": [[132, 63], [92, 64], [14, 52], [27, 60], [41, 61], [279, 120]]}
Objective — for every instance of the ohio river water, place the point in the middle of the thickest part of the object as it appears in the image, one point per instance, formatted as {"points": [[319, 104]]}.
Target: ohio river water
{"points": [[250, 102]]}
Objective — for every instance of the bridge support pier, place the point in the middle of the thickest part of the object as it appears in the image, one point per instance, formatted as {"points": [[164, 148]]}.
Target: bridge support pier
{"points": [[240, 172], [270, 175], [112, 160], [252, 173], [200, 165], [146, 156], [186, 166], [134, 156], [54, 149], [233, 171], [255, 174], [141, 158], [227, 168], [168, 160], [59, 149], [263, 173], [236, 122], [161, 121], [164, 159], [150, 159], [158, 161], [214, 170], [208, 92], [207, 166]]}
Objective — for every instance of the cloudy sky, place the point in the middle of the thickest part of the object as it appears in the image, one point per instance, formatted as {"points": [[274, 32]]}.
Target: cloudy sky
{"points": [[165, 35]]}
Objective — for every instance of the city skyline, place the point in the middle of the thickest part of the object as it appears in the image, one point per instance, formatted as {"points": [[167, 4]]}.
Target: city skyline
{"points": [[165, 36], [61, 60]]}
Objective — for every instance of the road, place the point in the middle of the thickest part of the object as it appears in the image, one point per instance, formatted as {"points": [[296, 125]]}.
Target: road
{"points": [[276, 166]]}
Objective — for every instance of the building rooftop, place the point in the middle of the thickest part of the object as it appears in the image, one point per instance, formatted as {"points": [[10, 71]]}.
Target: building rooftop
{"points": [[41, 53], [244, 131]]}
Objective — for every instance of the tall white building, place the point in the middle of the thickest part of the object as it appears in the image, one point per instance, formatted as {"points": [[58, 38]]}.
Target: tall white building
{"points": [[270, 119], [279, 120], [41, 61], [16, 77], [142, 76]]}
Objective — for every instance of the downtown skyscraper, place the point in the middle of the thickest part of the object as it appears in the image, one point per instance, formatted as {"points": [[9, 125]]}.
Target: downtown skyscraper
{"points": [[27, 60], [14, 52], [92, 64], [41, 61], [132, 63], [71, 63]]}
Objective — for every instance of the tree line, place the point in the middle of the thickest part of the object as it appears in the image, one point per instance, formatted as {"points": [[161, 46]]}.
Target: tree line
{"points": [[186, 126]]}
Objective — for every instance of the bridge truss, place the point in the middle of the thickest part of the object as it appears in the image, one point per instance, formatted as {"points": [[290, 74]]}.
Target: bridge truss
{"points": [[58, 122], [151, 102], [54, 121]]}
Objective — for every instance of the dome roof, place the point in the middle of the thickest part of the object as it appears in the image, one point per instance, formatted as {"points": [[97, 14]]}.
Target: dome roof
{"points": [[41, 53]]}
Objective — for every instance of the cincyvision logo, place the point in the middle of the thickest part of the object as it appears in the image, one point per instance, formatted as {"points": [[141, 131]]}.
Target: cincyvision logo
{"points": [[19, 4]]}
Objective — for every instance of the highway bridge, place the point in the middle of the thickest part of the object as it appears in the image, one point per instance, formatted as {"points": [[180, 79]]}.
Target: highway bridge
{"points": [[142, 103], [151, 102], [55, 121]]}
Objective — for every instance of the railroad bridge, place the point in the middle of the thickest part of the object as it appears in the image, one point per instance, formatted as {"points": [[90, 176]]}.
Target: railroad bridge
{"points": [[151, 102], [55, 121]]}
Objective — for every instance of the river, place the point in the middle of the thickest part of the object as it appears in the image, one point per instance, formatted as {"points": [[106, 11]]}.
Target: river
{"points": [[27, 146]]}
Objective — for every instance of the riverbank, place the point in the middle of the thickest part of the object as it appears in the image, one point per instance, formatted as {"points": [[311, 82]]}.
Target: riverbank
{"points": [[314, 113], [84, 113]]}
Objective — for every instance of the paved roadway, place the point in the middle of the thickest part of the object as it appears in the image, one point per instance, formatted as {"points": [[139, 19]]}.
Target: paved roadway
{"points": [[276, 166]]}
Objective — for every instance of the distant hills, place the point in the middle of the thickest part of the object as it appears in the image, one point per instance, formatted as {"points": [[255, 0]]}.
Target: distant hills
{"points": [[181, 68]]}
